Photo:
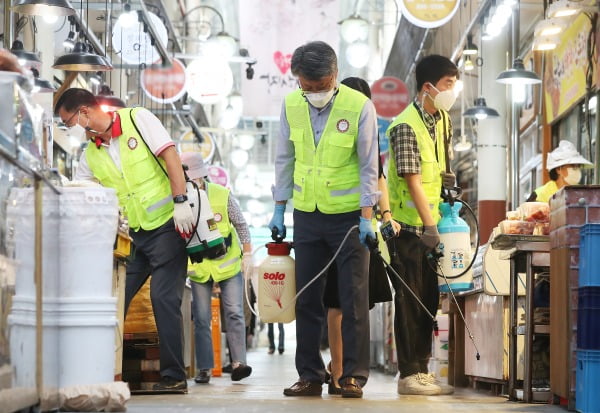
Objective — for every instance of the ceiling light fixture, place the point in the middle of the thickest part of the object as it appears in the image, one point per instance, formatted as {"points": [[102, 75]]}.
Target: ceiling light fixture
{"points": [[44, 7], [106, 100], [480, 110], [544, 43], [468, 64], [82, 61], [41, 85], [549, 27], [517, 74], [470, 48], [463, 145], [24, 56], [354, 28]]}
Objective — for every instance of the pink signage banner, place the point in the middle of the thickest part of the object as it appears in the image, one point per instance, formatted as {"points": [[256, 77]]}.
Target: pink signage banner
{"points": [[271, 30]]}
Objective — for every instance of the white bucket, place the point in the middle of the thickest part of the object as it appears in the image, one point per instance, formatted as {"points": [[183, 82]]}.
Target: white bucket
{"points": [[78, 341]]}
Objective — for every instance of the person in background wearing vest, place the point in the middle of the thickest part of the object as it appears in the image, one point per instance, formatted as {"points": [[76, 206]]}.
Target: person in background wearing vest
{"points": [[132, 152], [379, 290], [326, 161], [564, 166], [416, 176], [227, 271]]}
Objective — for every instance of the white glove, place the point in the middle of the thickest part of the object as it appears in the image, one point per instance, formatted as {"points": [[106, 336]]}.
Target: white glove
{"points": [[247, 265], [184, 219]]}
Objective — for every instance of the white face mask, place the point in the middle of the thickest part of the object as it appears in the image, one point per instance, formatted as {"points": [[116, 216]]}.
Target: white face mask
{"points": [[573, 176], [444, 100], [319, 99]]}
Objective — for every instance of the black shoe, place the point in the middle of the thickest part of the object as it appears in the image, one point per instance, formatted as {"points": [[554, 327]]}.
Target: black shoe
{"points": [[304, 388], [351, 388], [333, 389], [271, 350], [202, 377], [226, 368], [170, 385], [240, 371], [280, 350]]}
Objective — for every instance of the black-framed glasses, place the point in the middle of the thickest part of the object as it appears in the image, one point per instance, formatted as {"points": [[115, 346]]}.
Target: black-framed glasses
{"points": [[68, 121]]}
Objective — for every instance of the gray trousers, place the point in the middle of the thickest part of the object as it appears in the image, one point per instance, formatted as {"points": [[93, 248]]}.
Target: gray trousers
{"points": [[161, 253], [316, 238]]}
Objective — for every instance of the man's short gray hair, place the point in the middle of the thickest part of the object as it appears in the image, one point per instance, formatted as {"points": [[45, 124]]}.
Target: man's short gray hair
{"points": [[314, 61]]}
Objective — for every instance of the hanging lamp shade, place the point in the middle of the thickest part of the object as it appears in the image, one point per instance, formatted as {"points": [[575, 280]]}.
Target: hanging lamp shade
{"points": [[480, 110], [107, 101], [470, 48], [44, 7], [24, 56], [41, 85], [82, 61], [517, 74]]}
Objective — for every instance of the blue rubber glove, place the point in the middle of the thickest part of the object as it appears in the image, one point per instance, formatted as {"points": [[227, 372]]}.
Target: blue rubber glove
{"points": [[365, 229], [277, 220]]}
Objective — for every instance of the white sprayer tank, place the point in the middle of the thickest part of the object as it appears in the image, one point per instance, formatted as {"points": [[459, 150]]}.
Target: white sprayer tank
{"points": [[277, 284]]}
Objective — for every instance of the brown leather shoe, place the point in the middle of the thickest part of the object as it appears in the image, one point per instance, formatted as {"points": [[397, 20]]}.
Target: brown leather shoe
{"points": [[351, 388], [304, 388]]}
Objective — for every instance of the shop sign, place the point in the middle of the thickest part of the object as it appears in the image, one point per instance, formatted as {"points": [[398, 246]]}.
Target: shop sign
{"points": [[165, 85], [565, 70], [384, 142], [428, 13], [134, 45], [218, 175], [189, 143], [390, 96], [209, 79]]}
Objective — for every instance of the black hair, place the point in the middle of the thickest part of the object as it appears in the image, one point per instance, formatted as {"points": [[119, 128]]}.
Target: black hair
{"points": [[432, 68], [73, 98], [553, 174], [314, 61], [359, 84]]}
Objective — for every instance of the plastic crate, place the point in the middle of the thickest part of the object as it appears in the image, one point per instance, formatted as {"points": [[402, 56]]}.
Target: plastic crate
{"points": [[588, 318], [588, 381], [589, 259]]}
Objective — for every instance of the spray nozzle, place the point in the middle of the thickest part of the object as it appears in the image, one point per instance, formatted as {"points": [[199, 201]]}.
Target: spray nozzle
{"points": [[435, 254], [275, 236], [477, 356], [436, 330], [372, 244]]}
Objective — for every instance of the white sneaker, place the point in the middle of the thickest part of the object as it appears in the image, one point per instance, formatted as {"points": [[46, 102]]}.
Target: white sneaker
{"points": [[418, 384], [445, 388]]}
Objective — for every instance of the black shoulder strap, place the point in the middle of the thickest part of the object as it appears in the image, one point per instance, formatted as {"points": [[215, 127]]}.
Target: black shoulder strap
{"points": [[446, 141], [143, 140]]}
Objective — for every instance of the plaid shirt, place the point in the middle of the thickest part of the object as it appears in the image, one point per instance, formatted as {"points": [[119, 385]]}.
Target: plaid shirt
{"points": [[406, 150]]}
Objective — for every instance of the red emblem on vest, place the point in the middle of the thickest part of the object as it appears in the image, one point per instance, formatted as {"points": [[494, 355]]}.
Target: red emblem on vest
{"points": [[132, 143], [342, 125], [218, 217]]}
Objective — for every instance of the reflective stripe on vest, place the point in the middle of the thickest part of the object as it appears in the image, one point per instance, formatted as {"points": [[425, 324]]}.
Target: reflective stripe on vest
{"points": [[326, 177], [230, 264], [143, 189], [545, 192], [401, 203]]}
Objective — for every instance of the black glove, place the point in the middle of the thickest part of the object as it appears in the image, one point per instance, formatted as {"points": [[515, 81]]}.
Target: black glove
{"points": [[448, 180]]}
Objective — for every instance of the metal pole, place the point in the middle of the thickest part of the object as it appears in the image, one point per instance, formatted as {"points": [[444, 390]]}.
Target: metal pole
{"points": [[514, 118], [9, 21], [37, 275]]}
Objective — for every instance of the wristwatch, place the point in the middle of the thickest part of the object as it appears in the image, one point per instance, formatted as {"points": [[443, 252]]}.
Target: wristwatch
{"points": [[179, 199]]}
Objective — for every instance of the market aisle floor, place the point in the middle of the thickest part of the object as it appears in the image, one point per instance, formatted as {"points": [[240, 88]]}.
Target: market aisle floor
{"points": [[263, 392]]}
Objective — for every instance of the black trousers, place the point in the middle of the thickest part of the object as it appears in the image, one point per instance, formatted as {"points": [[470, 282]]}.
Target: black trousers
{"points": [[412, 325], [316, 238], [161, 252]]}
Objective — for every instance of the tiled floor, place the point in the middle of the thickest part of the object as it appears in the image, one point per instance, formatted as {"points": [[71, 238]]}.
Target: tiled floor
{"points": [[263, 392]]}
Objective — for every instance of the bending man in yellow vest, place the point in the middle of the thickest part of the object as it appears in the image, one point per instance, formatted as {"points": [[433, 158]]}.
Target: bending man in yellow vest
{"points": [[132, 152], [564, 166], [227, 271], [415, 178], [326, 161]]}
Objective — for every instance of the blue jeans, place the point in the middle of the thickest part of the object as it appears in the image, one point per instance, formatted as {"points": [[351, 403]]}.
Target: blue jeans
{"points": [[232, 302]]}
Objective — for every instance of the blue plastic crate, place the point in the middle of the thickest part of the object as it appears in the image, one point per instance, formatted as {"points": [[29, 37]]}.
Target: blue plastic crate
{"points": [[589, 259], [588, 381], [588, 318]]}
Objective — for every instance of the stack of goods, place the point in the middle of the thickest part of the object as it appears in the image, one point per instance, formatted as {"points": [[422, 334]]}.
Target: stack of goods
{"points": [[141, 365], [531, 218]]}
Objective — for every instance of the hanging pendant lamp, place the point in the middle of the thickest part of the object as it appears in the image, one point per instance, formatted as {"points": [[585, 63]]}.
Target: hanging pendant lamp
{"points": [[24, 56], [44, 7], [517, 74], [480, 110], [107, 101], [81, 60], [41, 85]]}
